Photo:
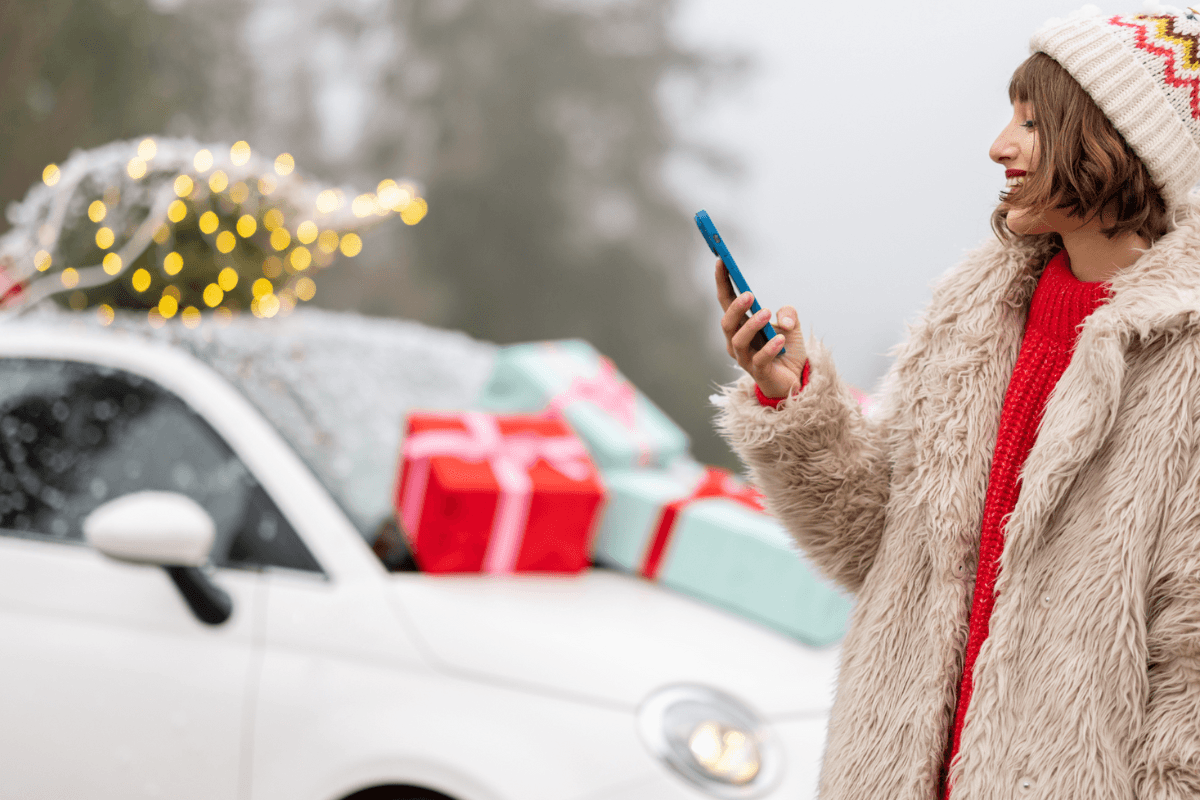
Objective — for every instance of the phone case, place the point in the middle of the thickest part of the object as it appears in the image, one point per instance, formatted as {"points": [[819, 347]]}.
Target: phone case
{"points": [[717, 245]]}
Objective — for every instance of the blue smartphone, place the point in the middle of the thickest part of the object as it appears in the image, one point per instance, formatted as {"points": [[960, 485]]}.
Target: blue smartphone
{"points": [[717, 245]]}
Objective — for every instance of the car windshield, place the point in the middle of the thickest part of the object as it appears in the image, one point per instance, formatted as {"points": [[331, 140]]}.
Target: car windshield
{"points": [[338, 387]]}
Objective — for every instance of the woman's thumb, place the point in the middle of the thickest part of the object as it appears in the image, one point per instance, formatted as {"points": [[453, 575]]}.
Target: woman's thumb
{"points": [[788, 324]]}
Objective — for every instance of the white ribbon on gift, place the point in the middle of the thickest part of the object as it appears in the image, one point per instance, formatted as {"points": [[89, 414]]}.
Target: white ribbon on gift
{"points": [[611, 394], [510, 457]]}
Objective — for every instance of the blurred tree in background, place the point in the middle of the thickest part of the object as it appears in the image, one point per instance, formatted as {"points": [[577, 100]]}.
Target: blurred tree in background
{"points": [[534, 129], [79, 74]]}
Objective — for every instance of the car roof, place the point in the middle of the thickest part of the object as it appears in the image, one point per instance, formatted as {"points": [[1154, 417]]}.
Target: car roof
{"points": [[336, 385]]}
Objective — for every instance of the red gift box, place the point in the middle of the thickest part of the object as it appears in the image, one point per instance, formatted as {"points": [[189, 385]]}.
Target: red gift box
{"points": [[496, 494]]}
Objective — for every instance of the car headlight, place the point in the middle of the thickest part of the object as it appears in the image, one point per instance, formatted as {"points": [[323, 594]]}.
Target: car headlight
{"points": [[711, 740]]}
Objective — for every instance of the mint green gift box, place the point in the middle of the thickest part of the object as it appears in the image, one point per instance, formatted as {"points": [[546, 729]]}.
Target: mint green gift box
{"points": [[620, 426], [720, 552]]}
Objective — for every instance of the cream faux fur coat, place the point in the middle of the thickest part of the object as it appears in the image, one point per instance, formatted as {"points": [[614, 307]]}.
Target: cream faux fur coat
{"points": [[1088, 686]]}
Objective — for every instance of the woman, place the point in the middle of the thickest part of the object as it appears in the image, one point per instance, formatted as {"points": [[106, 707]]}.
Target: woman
{"points": [[1020, 517]]}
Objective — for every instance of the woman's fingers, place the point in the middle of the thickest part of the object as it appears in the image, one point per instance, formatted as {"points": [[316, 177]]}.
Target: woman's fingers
{"points": [[745, 335], [735, 314], [763, 359]]}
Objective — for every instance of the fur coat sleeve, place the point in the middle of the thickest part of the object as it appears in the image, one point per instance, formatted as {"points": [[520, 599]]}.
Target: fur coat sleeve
{"points": [[817, 439]]}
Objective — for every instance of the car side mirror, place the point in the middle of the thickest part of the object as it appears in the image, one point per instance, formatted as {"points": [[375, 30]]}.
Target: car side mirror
{"points": [[163, 528], [167, 529]]}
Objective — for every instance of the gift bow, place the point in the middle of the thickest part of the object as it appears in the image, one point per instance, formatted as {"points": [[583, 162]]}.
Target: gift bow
{"points": [[510, 456], [715, 483], [612, 394]]}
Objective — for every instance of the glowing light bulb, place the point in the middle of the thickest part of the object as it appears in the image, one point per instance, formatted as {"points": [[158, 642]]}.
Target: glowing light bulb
{"points": [[239, 192], [111, 263], [351, 245], [306, 289], [267, 184], [184, 185], [327, 242], [272, 267], [300, 258], [51, 174], [268, 305], [284, 164], [97, 210], [190, 316], [42, 260], [213, 295], [218, 181], [203, 161], [415, 211], [329, 200], [307, 232], [140, 280], [155, 318], [246, 226], [177, 211], [239, 154], [104, 238], [226, 241], [173, 263], [136, 168], [228, 279], [167, 306], [105, 313], [208, 222], [364, 205], [261, 286], [173, 291], [392, 196], [280, 238], [70, 277], [147, 149], [273, 219]]}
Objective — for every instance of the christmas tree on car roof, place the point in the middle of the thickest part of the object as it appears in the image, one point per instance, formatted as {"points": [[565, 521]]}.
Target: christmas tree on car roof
{"points": [[179, 229]]}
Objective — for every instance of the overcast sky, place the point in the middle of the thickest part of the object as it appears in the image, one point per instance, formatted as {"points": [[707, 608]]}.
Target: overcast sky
{"points": [[864, 131]]}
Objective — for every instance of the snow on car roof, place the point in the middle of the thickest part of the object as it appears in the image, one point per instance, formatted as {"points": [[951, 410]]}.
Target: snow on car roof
{"points": [[336, 385]]}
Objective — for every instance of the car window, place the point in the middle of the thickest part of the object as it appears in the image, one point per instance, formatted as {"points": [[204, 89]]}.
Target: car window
{"points": [[74, 435]]}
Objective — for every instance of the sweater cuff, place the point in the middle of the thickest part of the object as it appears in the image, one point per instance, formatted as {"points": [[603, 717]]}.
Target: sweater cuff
{"points": [[773, 402]]}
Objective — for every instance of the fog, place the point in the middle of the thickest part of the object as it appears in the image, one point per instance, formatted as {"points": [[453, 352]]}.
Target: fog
{"points": [[863, 136]]}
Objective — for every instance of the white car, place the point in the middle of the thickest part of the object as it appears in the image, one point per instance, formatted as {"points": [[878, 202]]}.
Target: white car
{"points": [[190, 606]]}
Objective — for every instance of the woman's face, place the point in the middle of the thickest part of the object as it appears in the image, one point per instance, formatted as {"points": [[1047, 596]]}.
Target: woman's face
{"points": [[1016, 149]]}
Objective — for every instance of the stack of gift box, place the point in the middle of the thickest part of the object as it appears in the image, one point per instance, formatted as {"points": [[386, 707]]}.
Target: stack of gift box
{"points": [[565, 464]]}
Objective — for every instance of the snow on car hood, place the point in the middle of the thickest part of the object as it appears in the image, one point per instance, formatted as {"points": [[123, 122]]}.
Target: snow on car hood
{"points": [[608, 637]]}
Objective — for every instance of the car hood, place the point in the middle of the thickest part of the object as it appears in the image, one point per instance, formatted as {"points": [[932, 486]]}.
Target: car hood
{"points": [[607, 637]]}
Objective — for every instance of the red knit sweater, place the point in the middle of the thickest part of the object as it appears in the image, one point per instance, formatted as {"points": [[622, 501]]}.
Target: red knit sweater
{"points": [[1060, 304]]}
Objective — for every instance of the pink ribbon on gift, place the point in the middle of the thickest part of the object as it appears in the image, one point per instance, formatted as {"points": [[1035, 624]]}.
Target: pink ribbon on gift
{"points": [[510, 457], [613, 395]]}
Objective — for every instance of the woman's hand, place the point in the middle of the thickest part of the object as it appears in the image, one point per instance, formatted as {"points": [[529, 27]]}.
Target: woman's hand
{"points": [[775, 374]]}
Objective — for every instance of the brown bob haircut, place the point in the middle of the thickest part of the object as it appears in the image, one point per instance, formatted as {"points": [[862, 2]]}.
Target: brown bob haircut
{"points": [[1084, 167]]}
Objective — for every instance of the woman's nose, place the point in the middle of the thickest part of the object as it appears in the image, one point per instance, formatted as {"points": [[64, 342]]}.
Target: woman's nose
{"points": [[1003, 149]]}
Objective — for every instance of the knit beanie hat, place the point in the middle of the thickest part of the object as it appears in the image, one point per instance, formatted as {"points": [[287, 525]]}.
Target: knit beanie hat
{"points": [[1143, 71]]}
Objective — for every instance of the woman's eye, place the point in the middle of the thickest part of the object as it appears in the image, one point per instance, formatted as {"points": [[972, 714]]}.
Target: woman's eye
{"points": [[1029, 124]]}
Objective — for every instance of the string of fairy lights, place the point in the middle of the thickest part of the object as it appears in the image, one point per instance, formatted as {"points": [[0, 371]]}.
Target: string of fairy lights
{"points": [[227, 212]]}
